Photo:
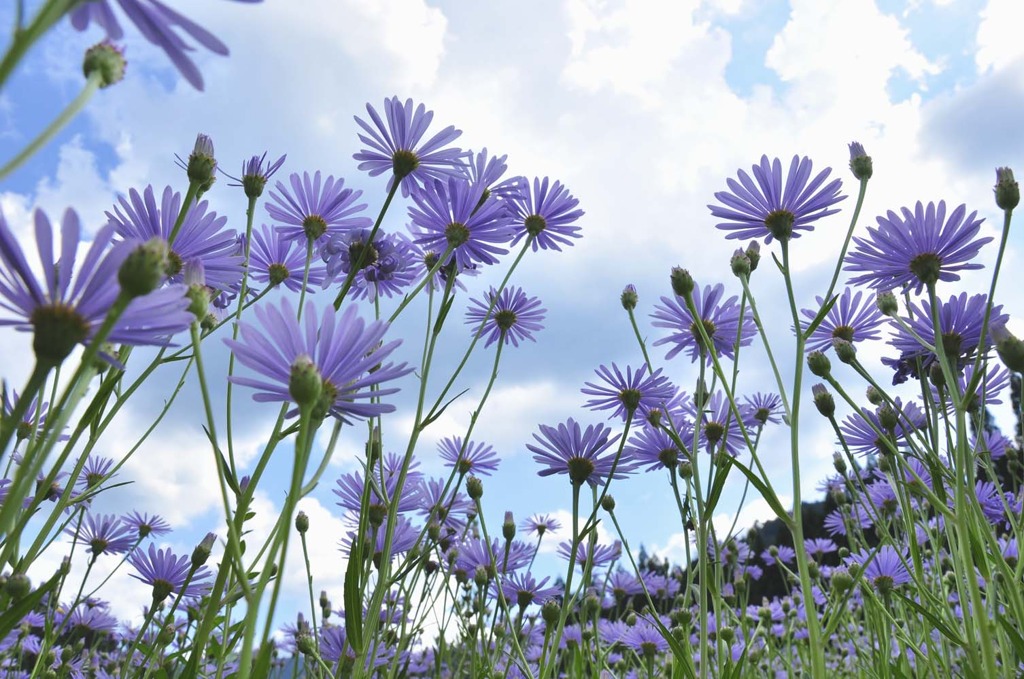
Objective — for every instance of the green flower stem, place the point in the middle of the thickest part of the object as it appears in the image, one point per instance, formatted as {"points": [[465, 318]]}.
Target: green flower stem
{"points": [[190, 197], [846, 242], [36, 381], [305, 276], [303, 443], [250, 213], [965, 509], [234, 550], [48, 15], [419, 423], [180, 354], [92, 84], [480, 330], [357, 266], [640, 340], [423, 283], [309, 586], [816, 646], [574, 544], [1007, 218], [767, 346], [207, 620], [687, 661]]}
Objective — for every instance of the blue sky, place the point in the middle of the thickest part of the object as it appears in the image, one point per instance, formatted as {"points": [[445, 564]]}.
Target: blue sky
{"points": [[641, 110]]}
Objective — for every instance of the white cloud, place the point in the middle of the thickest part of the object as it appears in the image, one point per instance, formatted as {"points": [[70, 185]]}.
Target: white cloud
{"points": [[998, 38]]}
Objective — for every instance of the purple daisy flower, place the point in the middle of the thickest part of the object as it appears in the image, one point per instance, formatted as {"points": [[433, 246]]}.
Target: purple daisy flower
{"points": [[403, 539], [95, 619], [718, 427], [547, 214], [159, 24], [986, 393], [645, 639], [72, 303], [388, 264], [94, 471], [598, 555], [488, 170], [523, 590], [255, 174], [582, 454], [629, 393], [653, 448], [315, 210], [770, 209], [35, 414], [992, 441], [274, 260], [345, 352], [854, 317], [819, 547], [437, 504], [863, 432], [168, 574], [540, 524], [779, 553], [145, 525], [762, 408], [512, 316], [396, 147], [920, 249], [721, 320], [960, 321], [351, 488], [104, 534], [201, 238], [472, 457], [885, 570], [454, 214], [622, 584]]}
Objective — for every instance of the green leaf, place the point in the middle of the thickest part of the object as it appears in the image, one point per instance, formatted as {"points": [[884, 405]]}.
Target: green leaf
{"points": [[716, 490], [820, 316], [767, 493], [1015, 638], [946, 630], [19, 609], [353, 598]]}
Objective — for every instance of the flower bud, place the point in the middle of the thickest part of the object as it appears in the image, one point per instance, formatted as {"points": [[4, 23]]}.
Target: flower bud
{"points": [[740, 263], [754, 254], [839, 463], [17, 586], [1007, 191], [860, 162], [874, 396], [685, 469], [202, 164], [304, 382], [608, 503], [631, 619], [143, 269], [302, 522], [629, 297], [106, 60], [202, 551], [508, 528], [304, 643], [1009, 348], [842, 580], [887, 303], [823, 400], [682, 282], [550, 611], [845, 351], [819, 364], [474, 488]]}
